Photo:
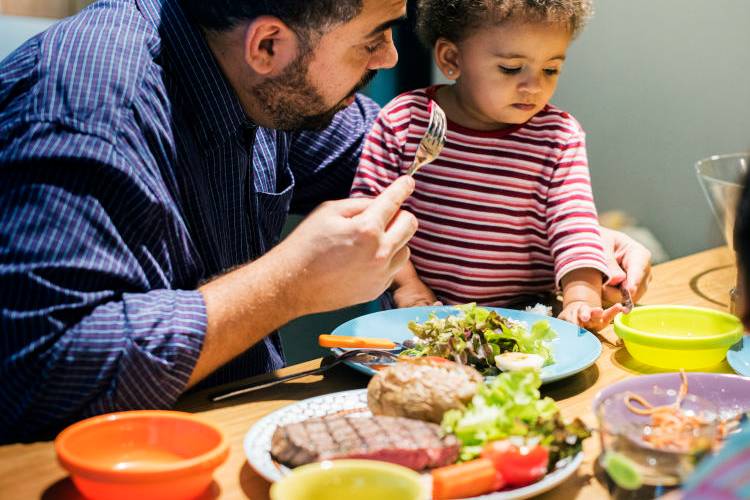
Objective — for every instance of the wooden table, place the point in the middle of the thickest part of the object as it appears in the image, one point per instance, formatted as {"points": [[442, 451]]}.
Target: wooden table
{"points": [[703, 279]]}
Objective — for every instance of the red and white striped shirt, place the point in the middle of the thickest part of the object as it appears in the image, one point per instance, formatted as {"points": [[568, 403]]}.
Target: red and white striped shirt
{"points": [[501, 214]]}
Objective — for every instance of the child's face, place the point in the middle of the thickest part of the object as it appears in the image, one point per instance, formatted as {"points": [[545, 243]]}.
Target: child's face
{"points": [[508, 73]]}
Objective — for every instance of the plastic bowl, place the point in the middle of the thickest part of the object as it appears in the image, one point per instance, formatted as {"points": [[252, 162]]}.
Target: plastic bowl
{"points": [[350, 480], [142, 455], [676, 337]]}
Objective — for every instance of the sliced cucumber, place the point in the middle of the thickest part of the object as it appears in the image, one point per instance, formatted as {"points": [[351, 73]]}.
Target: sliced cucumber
{"points": [[622, 470]]}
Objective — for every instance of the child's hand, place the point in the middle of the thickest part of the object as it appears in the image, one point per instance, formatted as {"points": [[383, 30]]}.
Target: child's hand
{"points": [[414, 293], [590, 317]]}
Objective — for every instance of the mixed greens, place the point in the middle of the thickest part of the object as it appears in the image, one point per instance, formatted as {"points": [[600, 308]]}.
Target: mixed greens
{"points": [[511, 407], [477, 335]]}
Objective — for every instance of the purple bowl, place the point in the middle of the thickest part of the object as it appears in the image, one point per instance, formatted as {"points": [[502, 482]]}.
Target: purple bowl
{"points": [[729, 393]]}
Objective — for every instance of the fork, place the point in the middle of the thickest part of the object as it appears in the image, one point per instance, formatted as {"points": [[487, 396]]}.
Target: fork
{"points": [[432, 141], [369, 356]]}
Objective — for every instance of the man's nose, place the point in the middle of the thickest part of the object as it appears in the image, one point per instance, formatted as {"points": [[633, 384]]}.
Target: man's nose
{"points": [[385, 58]]}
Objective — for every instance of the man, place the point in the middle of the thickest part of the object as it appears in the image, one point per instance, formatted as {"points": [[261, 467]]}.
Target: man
{"points": [[149, 155]]}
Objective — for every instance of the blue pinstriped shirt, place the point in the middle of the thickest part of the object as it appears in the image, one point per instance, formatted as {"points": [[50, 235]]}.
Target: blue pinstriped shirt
{"points": [[129, 174]]}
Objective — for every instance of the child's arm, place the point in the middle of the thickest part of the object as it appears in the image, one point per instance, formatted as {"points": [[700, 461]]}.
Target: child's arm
{"points": [[408, 290], [582, 302]]}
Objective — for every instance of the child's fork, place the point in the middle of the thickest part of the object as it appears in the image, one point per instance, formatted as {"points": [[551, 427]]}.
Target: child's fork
{"points": [[433, 140]]}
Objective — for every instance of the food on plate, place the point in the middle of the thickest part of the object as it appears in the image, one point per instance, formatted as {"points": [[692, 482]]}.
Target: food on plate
{"points": [[467, 479], [423, 388], [517, 465], [476, 336], [511, 407], [514, 361], [412, 443], [502, 433]]}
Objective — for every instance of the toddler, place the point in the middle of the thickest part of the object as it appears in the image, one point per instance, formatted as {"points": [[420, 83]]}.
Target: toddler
{"points": [[506, 210]]}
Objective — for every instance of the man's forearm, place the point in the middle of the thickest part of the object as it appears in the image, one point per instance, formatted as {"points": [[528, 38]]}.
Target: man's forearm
{"points": [[244, 306]]}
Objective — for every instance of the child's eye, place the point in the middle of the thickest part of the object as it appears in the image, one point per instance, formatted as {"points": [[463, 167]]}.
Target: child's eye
{"points": [[510, 71], [551, 72]]}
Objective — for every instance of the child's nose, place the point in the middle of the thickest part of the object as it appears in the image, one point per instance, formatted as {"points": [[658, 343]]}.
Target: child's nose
{"points": [[530, 85]]}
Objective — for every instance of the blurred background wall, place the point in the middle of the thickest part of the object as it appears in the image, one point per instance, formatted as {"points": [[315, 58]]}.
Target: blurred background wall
{"points": [[656, 84]]}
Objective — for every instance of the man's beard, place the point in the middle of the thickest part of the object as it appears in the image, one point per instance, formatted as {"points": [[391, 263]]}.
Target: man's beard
{"points": [[293, 103]]}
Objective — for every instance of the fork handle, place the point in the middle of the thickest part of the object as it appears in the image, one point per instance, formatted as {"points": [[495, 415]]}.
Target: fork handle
{"points": [[355, 342], [281, 380]]}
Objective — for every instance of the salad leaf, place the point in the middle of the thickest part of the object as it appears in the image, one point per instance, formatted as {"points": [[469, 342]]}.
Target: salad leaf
{"points": [[476, 335], [511, 406]]}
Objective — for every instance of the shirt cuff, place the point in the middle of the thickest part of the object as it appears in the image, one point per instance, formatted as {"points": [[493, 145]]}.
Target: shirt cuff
{"points": [[165, 333]]}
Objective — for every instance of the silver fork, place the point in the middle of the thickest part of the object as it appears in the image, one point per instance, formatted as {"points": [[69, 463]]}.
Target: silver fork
{"points": [[366, 356], [432, 141]]}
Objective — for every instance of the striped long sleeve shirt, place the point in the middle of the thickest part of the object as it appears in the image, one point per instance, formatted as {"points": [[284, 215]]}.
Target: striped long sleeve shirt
{"points": [[129, 175], [501, 214]]}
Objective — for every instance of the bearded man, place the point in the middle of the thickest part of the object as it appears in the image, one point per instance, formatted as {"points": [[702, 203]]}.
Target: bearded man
{"points": [[150, 152]]}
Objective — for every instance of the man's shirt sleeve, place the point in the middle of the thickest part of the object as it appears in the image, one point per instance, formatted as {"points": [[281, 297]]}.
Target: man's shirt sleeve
{"points": [[89, 322], [324, 162]]}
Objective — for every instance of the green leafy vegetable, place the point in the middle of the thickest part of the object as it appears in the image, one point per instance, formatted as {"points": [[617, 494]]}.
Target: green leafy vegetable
{"points": [[511, 406], [476, 335]]}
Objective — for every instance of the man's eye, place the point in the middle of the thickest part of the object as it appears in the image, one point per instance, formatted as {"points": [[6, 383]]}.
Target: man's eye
{"points": [[552, 71], [374, 47], [510, 71]]}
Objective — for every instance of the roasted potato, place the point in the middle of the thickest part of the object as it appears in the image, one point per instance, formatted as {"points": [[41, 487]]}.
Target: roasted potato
{"points": [[422, 389]]}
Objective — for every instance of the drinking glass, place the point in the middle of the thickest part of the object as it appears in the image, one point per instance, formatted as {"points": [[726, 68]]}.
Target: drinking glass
{"points": [[722, 178]]}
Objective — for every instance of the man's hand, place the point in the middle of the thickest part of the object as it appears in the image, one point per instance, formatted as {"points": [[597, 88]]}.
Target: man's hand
{"points": [[348, 251], [343, 253], [629, 265]]}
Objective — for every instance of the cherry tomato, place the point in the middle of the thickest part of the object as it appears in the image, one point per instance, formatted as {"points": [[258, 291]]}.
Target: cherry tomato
{"points": [[518, 466]]}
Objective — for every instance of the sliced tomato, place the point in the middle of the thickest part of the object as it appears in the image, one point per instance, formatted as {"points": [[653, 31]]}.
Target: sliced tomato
{"points": [[518, 466]]}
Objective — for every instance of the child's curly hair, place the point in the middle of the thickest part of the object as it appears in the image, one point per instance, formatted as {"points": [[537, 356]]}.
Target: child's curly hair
{"points": [[455, 19]]}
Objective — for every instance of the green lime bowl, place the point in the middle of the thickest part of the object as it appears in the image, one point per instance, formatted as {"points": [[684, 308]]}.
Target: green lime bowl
{"points": [[675, 337], [350, 480]]}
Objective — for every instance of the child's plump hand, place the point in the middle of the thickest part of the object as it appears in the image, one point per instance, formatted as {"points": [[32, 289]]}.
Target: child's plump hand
{"points": [[590, 317], [414, 293]]}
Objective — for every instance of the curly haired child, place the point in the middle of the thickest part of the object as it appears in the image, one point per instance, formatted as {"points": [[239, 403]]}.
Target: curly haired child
{"points": [[506, 210]]}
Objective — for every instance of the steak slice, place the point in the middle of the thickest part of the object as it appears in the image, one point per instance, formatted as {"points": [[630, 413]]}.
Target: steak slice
{"points": [[412, 443]]}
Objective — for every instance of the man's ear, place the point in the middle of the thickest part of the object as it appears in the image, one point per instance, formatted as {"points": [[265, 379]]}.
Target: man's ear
{"points": [[269, 45]]}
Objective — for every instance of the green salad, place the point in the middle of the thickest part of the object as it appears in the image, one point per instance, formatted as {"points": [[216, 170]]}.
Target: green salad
{"points": [[511, 407], [476, 336]]}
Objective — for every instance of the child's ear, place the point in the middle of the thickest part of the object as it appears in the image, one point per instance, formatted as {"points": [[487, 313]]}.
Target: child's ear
{"points": [[447, 58], [270, 45]]}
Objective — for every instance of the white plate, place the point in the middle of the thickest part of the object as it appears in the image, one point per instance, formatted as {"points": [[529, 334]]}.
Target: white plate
{"points": [[257, 443]]}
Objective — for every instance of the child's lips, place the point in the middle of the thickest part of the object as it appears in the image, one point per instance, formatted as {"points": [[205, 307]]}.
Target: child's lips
{"points": [[523, 106]]}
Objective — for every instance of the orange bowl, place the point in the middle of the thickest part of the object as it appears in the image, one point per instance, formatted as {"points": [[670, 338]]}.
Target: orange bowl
{"points": [[142, 455]]}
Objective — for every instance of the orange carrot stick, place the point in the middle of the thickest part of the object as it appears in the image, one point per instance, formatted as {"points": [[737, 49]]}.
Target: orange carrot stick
{"points": [[468, 479]]}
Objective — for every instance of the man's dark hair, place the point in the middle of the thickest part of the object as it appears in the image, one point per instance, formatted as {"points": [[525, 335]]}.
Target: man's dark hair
{"points": [[303, 16]]}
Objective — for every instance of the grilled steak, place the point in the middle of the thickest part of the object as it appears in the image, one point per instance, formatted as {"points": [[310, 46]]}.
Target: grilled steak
{"points": [[411, 443]]}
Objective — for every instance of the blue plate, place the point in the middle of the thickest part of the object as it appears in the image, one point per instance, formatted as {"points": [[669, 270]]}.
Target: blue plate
{"points": [[574, 349], [738, 356]]}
